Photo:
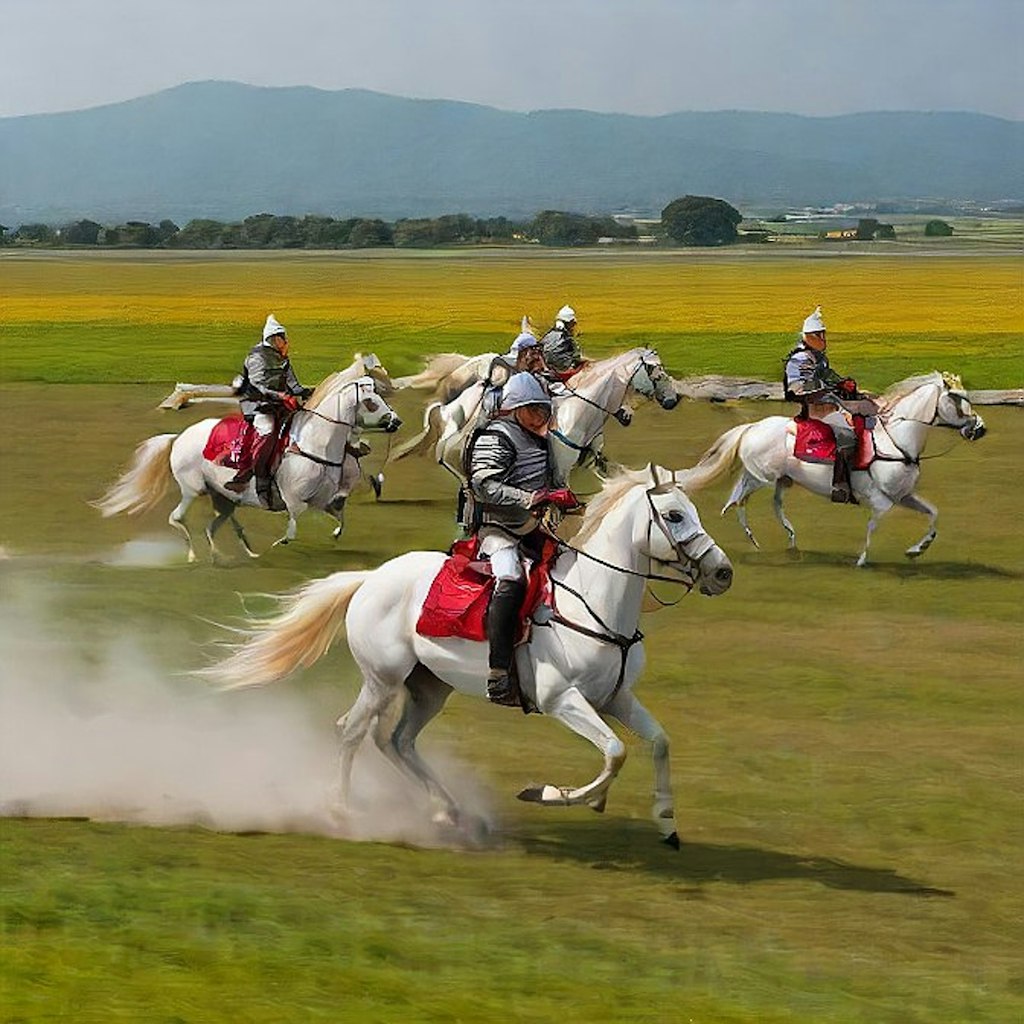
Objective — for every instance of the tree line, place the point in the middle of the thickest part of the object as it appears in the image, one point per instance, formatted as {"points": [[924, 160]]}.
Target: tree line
{"points": [[690, 220]]}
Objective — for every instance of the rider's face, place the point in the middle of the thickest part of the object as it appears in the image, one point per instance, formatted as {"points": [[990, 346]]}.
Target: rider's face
{"points": [[815, 340], [534, 418], [280, 342]]}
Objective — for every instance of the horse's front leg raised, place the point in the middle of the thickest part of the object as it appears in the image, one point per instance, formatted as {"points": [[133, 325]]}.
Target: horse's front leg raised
{"points": [[633, 715], [575, 713], [918, 504]]}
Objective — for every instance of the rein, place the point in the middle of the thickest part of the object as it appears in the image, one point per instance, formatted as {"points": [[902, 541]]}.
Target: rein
{"points": [[572, 392]]}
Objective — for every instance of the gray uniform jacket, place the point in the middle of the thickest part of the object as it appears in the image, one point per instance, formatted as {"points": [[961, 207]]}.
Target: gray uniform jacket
{"points": [[560, 350], [507, 465], [267, 377], [808, 376]]}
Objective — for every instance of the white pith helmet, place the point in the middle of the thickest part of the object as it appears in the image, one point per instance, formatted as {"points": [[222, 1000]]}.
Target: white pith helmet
{"points": [[814, 322]]}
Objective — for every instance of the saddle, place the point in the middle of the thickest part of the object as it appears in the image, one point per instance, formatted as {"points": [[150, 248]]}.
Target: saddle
{"points": [[815, 442], [456, 604], [230, 444]]}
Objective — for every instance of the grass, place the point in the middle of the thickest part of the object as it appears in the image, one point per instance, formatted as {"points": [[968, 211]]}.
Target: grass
{"points": [[84, 318], [846, 744]]}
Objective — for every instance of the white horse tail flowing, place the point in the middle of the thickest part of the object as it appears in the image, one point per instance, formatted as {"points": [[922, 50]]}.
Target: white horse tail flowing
{"points": [[426, 440], [714, 462], [141, 486], [295, 638], [434, 372]]}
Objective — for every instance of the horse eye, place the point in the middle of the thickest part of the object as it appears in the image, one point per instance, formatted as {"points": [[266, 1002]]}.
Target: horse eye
{"points": [[674, 516]]}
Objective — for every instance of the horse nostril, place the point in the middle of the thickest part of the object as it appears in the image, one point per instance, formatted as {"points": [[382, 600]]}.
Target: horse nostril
{"points": [[724, 574]]}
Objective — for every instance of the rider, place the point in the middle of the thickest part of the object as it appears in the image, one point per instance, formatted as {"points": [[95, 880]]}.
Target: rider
{"points": [[524, 355], [563, 355], [512, 477], [269, 391], [824, 395], [561, 350]]}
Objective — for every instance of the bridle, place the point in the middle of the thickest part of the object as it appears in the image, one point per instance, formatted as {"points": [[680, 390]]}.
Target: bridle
{"points": [[958, 399], [691, 563], [642, 364]]}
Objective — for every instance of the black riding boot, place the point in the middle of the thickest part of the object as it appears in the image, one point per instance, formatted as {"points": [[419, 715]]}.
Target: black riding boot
{"points": [[261, 462], [842, 486], [502, 620]]}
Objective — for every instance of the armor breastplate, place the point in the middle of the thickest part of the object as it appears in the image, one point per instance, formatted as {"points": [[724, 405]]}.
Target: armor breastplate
{"points": [[530, 470]]}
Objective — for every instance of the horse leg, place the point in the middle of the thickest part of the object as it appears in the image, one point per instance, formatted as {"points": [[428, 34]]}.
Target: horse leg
{"points": [[780, 512], [633, 715], [226, 513], [372, 701], [425, 699], [918, 504], [746, 485], [337, 509], [177, 520], [293, 526], [574, 712], [877, 511]]}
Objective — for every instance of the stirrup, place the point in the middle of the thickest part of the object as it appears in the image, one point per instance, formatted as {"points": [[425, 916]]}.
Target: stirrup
{"points": [[502, 690]]}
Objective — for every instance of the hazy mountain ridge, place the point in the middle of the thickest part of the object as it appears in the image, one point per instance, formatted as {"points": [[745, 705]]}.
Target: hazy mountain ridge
{"points": [[226, 150]]}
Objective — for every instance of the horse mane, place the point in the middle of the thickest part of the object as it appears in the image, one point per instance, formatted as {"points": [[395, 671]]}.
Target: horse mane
{"points": [[599, 368], [339, 378], [615, 488], [901, 389]]}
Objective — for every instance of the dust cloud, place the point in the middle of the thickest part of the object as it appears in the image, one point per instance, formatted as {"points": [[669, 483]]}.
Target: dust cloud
{"points": [[97, 730]]}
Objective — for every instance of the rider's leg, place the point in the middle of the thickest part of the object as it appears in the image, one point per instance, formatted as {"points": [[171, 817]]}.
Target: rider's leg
{"points": [[261, 423], [846, 448], [263, 456], [502, 620]]}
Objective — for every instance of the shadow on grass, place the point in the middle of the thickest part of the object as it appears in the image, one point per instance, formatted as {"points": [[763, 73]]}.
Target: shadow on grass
{"points": [[905, 569], [632, 846]]}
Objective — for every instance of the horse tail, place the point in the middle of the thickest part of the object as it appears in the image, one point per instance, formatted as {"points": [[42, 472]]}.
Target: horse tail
{"points": [[434, 372], [299, 635], [715, 461], [426, 439], [141, 486]]}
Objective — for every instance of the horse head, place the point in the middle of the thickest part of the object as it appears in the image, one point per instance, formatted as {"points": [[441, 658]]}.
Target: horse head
{"points": [[652, 380], [371, 411], [953, 409], [677, 540]]}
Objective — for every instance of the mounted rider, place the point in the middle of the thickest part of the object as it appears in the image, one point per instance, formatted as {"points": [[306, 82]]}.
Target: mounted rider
{"points": [[269, 392], [563, 355], [825, 395], [524, 355], [512, 479], [559, 346]]}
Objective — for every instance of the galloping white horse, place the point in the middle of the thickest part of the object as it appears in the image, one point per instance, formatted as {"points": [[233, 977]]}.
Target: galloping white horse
{"points": [[906, 412], [318, 468], [591, 396], [580, 662]]}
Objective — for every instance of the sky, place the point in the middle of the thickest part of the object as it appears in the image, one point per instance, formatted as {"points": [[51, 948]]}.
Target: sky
{"points": [[815, 57]]}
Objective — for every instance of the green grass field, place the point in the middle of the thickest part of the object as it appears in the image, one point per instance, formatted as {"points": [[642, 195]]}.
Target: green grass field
{"points": [[847, 744]]}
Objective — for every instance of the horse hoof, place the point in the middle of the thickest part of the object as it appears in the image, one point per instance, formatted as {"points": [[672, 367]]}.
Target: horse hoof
{"points": [[599, 804], [672, 840], [914, 552], [532, 794]]}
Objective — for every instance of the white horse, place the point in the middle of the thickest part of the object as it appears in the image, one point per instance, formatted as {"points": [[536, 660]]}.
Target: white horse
{"points": [[906, 412], [593, 394], [318, 469], [580, 663]]}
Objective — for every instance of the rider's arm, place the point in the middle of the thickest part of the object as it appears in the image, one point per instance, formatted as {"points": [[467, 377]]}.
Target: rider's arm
{"points": [[492, 459]]}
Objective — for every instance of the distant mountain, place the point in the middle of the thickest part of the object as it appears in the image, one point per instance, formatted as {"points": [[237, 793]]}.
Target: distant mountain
{"points": [[226, 150]]}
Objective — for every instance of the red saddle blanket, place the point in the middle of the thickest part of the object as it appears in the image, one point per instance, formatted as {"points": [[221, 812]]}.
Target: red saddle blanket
{"points": [[815, 442], [230, 443], [456, 604]]}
